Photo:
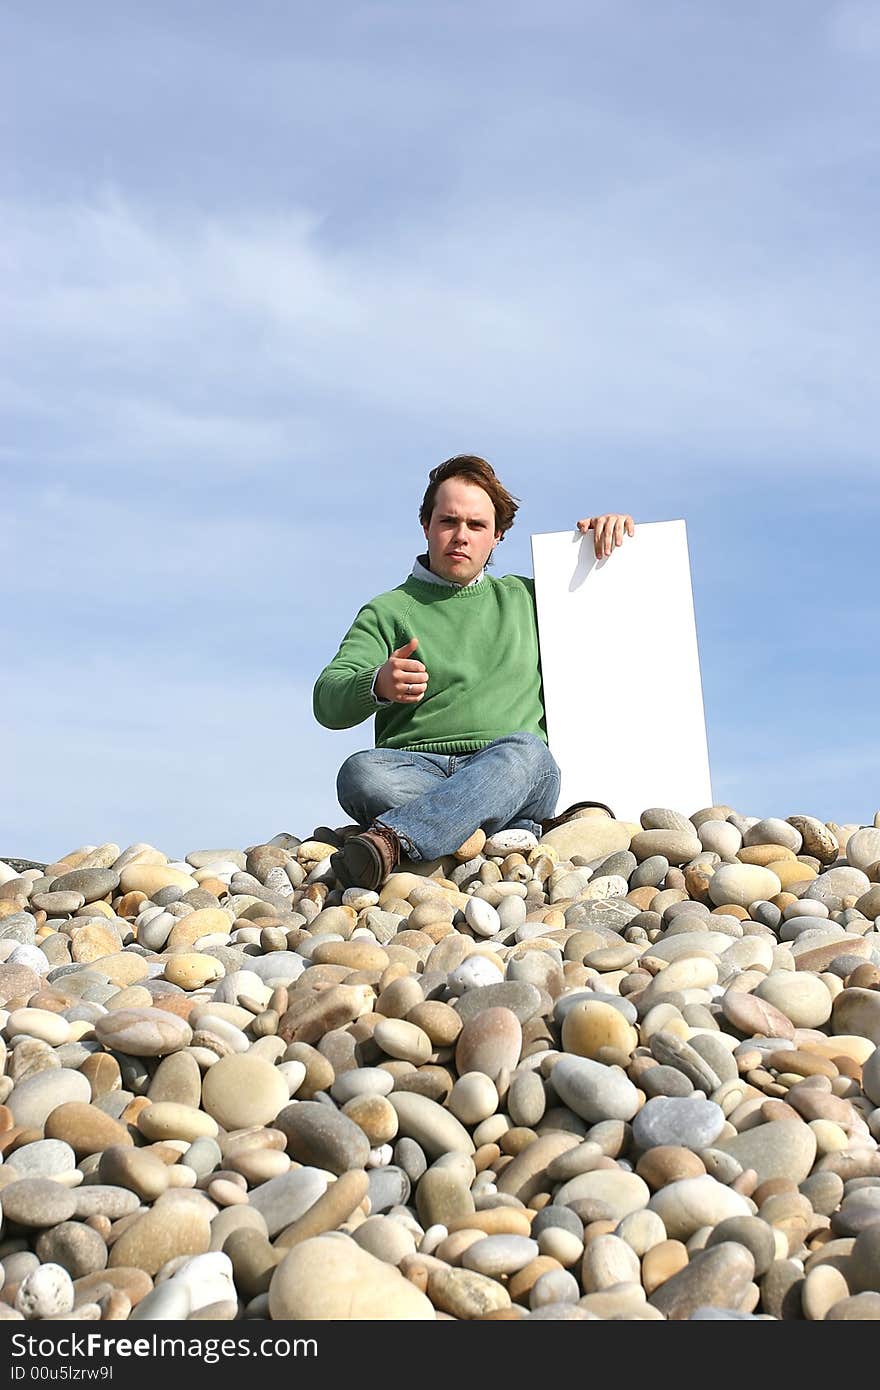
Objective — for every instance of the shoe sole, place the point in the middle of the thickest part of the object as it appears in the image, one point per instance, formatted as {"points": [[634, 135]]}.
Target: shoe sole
{"points": [[361, 867], [570, 814]]}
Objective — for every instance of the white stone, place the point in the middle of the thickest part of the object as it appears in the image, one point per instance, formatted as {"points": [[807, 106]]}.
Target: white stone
{"points": [[474, 972], [47, 1292], [482, 918]]}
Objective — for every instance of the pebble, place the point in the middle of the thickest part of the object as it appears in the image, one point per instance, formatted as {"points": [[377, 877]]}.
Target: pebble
{"points": [[47, 1292], [691, 1121], [330, 1277], [614, 1065]]}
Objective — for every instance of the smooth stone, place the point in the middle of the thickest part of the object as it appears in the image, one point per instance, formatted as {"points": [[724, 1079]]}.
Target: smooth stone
{"points": [[834, 885], [165, 1119], [177, 1078], [593, 1091], [90, 884], [802, 997], [490, 1043], [389, 1187], [675, 845], [44, 1158], [650, 873], [520, 998], [750, 1231], [666, 1081], [506, 842], [863, 1265], [473, 1098], [720, 837], [863, 848], [526, 1099], [443, 1196], [854, 1011], [322, 1137], [871, 1077], [482, 918], [618, 1192], [861, 1307], [755, 1017], [571, 1000], [96, 1199], [33, 1100], [143, 1032], [689, 1203], [361, 1081], [151, 878], [591, 837], [590, 1026], [776, 1149], [464, 1294], [717, 1277], [330, 1277], [435, 1129], [500, 1255], [242, 1090], [166, 1231], [476, 972], [402, 1040], [86, 1128], [823, 1287], [138, 1170], [690, 1121], [742, 884], [37, 1202], [74, 1246]]}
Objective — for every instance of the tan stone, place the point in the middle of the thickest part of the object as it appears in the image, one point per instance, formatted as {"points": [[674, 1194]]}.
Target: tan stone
{"points": [[661, 1262], [591, 1026], [93, 942], [765, 855], [192, 970], [791, 871], [471, 847], [169, 1229], [149, 878], [85, 1128], [332, 1278]]}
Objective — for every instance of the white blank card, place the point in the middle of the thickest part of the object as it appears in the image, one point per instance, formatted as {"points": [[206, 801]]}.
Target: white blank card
{"points": [[621, 670]]}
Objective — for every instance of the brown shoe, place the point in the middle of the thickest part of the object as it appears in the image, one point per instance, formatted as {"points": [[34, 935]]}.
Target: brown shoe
{"points": [[571, 813], [366, 860]]}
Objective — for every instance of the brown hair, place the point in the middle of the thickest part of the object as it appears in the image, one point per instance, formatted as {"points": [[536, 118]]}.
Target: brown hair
{"points": [[474, 470]]}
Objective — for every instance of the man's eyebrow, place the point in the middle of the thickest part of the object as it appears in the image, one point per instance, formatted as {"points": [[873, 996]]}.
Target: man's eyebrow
{"points": [[472, 520]]}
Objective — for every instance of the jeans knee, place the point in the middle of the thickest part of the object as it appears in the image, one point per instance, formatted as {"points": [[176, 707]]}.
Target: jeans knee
{"points": [[354, 773]]}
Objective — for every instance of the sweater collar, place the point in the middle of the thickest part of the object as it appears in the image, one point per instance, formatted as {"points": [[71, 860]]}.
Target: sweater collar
{"points": [[420, 571]]}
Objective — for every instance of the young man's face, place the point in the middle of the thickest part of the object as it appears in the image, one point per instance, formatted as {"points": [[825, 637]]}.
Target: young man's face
{"points": [[461, 534]]}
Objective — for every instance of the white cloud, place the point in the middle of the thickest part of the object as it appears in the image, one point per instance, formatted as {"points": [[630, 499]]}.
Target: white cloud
{"points": [[240, 345]]}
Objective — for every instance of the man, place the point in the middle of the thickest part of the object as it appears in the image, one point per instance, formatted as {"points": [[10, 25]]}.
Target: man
{"points": [[449, 664]]}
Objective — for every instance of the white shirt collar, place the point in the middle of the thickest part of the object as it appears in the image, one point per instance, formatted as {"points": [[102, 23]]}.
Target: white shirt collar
{"points": [[420, 571]]}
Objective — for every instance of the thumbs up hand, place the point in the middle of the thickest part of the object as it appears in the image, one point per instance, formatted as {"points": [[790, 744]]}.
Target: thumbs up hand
{"points": [[402, 679]]}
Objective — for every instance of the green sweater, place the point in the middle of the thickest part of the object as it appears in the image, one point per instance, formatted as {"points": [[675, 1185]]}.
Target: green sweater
{"points": [[479, 644]]}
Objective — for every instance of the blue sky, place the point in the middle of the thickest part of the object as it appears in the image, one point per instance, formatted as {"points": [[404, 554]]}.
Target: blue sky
{"points": [[262, 268]]}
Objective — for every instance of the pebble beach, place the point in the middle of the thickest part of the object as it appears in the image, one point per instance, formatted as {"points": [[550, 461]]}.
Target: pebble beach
{"points": [[626, 1071]]}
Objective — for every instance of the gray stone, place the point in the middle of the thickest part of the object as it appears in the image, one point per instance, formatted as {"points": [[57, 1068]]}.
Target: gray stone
{"points": [[690, 1121], [593, 1091], [523, 1000]]}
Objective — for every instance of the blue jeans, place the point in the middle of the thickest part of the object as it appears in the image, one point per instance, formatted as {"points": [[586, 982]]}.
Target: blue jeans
{"points": [[435, 801]]}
